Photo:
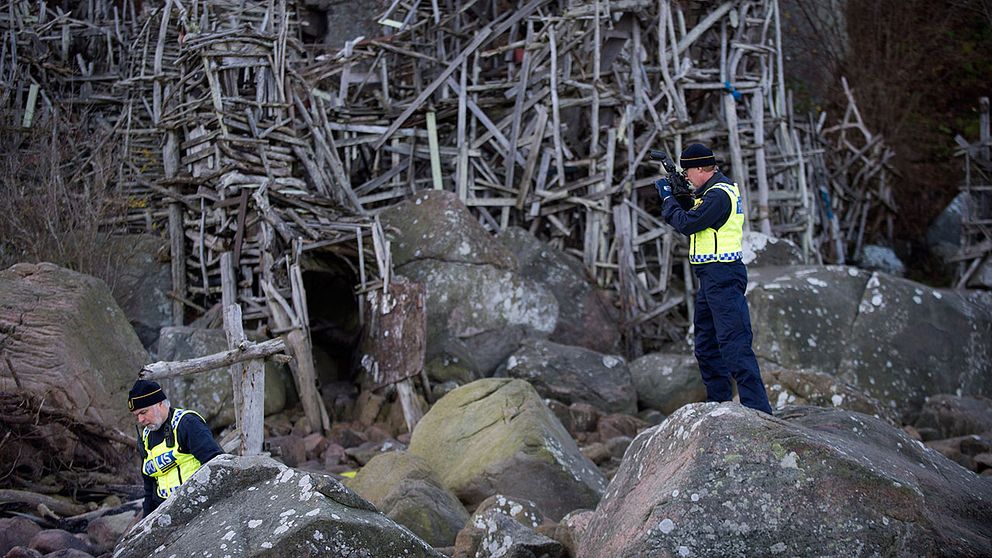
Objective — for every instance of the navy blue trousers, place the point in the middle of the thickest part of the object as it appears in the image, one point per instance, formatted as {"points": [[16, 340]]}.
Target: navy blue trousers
{"points": [[723, 335]]}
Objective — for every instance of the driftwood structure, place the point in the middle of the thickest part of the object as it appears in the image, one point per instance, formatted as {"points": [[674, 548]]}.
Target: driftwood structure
{"points": [[246, 361], [238, 138], [976, 219]]}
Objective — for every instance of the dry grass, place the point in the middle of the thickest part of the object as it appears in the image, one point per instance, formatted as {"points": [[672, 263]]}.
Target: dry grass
{"points": [[57, 194]]}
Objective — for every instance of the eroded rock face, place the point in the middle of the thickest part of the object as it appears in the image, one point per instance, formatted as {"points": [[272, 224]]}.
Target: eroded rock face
{"points": [[910, 341], [724, 480], [66, 338], [801, 316], [402, 486], [496, 436], [255, 506], [574, 375], [897, 340], [585, 316]]}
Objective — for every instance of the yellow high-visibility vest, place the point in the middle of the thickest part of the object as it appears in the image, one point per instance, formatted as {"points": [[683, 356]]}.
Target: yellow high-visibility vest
{"points": [[725, 244], [165, 463]]}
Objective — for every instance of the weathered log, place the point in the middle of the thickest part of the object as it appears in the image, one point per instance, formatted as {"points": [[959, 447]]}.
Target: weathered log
{"points": [[247, 351], [33, 500]]}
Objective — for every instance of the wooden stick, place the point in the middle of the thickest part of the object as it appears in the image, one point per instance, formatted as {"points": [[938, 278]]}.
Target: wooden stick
{"points": [[34, 500]]}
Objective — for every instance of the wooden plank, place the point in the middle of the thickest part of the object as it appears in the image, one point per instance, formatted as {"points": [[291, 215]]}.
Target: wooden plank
{"points": [[412, 412], [627, 277], [536, 143], [524, 76], [760, 168], [32, 103], [461, 166], [229, 299], [432, 144], [177, 256], [555, 110], [396, 332]]}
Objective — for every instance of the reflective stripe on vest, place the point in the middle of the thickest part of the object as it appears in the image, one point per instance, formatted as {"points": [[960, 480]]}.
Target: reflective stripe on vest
{"points": [[725, 244], [166, 464]]}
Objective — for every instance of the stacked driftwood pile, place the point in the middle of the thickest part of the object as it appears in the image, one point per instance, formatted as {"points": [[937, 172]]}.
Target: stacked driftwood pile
{"points": [[542, 117], [537, 113]]}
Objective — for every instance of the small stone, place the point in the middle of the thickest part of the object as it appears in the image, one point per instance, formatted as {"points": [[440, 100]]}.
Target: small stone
{"points": [[50, 540], [16, 531]]}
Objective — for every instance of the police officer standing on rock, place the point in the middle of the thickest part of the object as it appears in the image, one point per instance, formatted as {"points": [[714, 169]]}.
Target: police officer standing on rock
{"points": [[173, 443], [715, 226]]}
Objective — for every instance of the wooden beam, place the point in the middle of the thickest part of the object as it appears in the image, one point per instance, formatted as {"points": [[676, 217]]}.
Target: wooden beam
{"points": [[158, 370]]}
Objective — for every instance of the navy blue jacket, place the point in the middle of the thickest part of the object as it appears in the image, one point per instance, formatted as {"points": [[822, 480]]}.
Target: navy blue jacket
{"points": [[712, 213], [193, 436]]}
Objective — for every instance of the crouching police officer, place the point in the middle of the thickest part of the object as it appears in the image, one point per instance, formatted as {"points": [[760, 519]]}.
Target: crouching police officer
{"points": [[715, 227], [174, 442]]}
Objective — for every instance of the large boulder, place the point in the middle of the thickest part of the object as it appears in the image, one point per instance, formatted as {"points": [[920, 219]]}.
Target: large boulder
{"points": [[211, 393], [402, 486], [897, 340], [436, 225], [497, 436], [256, 506], [142, 290], [801, 316], [761, 250], [585, 316], [65, 338], [723, 480], [666, 381], [573, 375], [479, 308], [910, 341], [479, 313]]}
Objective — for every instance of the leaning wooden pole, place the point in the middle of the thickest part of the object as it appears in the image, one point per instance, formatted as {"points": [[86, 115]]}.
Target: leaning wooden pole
{"points": [[306, 376]]}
